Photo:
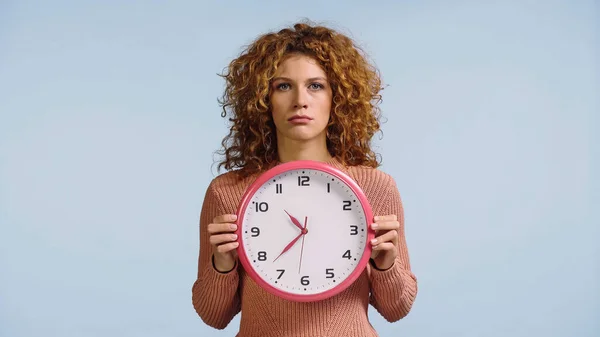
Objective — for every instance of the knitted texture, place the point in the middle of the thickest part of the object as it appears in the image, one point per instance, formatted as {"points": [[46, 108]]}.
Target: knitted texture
{"points": [[217, 297]]}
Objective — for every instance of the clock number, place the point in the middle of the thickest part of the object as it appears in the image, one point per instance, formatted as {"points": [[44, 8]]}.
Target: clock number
{"points": [[278, 189], [255, 231], [262, 256], [304, 280], [303, 180], [281, 271], [353, 229], [328, 187], [261, 206], [347, 204], [347, 254], [329, 272]]}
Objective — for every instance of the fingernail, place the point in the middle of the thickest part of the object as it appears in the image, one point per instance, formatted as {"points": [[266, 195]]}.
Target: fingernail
{"points": [[374, 226], [374, 241], [234, 217], [233, 226], [376, 218]]}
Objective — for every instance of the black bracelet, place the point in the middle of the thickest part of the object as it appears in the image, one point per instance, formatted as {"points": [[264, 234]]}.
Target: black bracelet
{"points": [[222, 272], [372, 262]]}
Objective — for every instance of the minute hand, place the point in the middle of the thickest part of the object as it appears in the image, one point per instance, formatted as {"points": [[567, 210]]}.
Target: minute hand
{"points": [[289, 245], [294, 220]]}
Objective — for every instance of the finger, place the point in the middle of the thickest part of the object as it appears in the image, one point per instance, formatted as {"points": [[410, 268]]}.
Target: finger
{"points": [[224, 248], [222, 238], [390, 217], [384, 246], [385, 225], [225, 218], [391, 237], [221, 227]]}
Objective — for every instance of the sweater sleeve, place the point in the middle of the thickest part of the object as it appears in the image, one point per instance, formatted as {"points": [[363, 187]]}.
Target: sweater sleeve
{"points": [[393, 291], [215, 295]]}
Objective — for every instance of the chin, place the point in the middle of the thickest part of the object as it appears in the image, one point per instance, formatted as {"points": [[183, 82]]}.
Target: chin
{"points": [[300, 136]]}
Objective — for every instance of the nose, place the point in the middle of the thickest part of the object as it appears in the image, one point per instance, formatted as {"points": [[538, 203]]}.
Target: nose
{"points": [[300, 100]]}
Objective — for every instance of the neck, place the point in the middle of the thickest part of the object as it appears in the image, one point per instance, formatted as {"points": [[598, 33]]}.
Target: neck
{"points": [[290, 150]]}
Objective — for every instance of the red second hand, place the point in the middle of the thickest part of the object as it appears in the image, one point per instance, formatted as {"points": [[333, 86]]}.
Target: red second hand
{"points": [[304, 231]]}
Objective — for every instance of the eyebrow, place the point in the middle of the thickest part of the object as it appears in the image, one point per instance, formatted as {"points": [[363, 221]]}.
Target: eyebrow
{"points": [[308, 80]]}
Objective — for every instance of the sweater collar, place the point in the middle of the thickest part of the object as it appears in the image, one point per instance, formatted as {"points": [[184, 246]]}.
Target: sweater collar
{"points": [[334, 162]]}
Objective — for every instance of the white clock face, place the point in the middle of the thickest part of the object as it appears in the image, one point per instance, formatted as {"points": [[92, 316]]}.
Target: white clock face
{"points": [[323, 255]]}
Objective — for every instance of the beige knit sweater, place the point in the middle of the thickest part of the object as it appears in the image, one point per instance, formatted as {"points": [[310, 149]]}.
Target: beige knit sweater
{"points": [[218, 297]]}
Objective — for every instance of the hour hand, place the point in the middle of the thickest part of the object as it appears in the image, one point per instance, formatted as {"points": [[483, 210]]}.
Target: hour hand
{"points": [[294, 220]]}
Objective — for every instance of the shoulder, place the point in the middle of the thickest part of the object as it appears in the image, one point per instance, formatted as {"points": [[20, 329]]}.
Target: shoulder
{"points": [[225, 180], [229, 183], [369, 177], [378, 186], [227, 189]]}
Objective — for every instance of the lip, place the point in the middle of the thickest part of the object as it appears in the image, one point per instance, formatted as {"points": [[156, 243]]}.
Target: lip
{"points": [[299, 118]]}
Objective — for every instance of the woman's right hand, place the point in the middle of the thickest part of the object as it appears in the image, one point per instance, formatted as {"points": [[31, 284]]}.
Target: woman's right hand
{"points": [[224, 241]]}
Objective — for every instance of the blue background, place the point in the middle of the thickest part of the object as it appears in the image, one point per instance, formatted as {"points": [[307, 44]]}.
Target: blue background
{"points": [[109, 121]]}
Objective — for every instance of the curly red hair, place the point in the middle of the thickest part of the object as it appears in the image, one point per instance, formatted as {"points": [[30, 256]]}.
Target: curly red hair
{"points": [[251, 144]]}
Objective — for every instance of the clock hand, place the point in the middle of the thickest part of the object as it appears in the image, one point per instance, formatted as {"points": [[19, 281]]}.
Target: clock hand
{"points": [[294, 220], [304, 231], [289, 245]]}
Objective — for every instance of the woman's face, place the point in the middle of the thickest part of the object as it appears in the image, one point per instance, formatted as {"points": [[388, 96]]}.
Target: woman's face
{"points": [[300, 100]]}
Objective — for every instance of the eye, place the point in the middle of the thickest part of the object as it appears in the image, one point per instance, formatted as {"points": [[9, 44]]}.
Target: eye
{"points": [[283, 86], [316, 86]]}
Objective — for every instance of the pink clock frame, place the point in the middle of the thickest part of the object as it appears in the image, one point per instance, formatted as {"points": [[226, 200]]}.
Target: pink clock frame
{"points": [[294, 165]]}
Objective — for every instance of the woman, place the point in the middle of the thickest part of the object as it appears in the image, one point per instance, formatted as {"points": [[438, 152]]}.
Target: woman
{"points": [[303, 93]]}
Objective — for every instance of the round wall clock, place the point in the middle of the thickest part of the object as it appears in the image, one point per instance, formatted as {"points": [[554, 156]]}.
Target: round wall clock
{"points": [[304, 231]]}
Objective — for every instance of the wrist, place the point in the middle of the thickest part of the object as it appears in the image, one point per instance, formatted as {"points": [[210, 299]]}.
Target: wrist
{"points": [[380, 268], [221, 266]]}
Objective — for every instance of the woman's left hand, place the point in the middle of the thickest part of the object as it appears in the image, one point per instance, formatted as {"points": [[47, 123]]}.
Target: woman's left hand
{"points": [[385, 243]]}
